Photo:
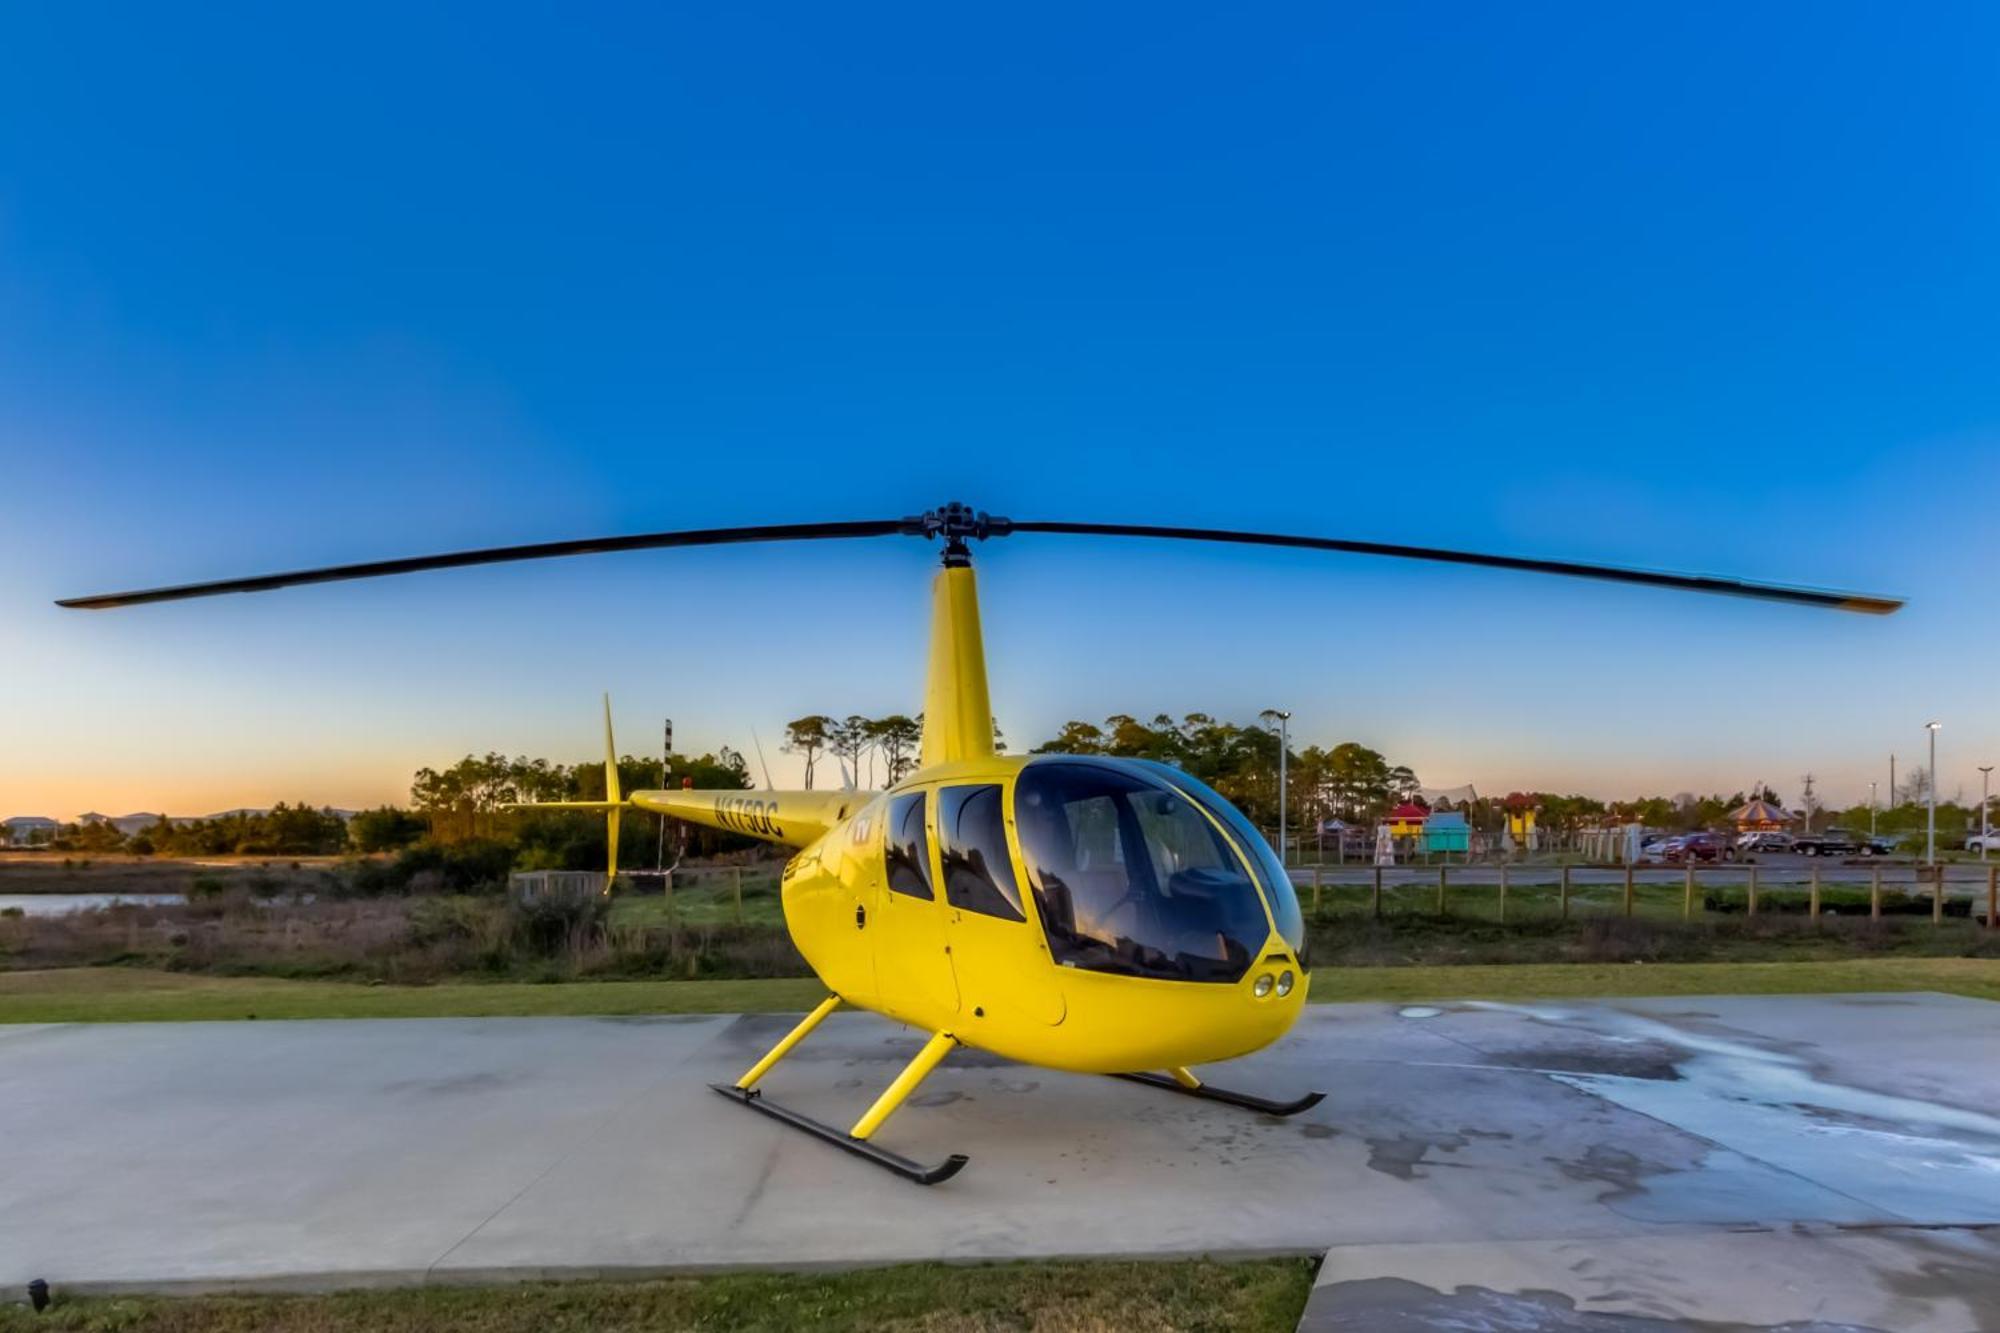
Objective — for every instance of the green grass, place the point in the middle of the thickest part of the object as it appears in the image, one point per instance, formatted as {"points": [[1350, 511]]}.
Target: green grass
{"points": [[134, 995], [931, 1298], [702, 900], [138, 995]]}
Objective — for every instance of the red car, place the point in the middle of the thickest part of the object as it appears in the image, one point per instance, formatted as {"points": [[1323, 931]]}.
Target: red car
{"points": [[1694, 847]]}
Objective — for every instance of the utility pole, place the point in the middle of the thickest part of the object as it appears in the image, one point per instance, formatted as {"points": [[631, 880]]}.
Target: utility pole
{"points": [[1892, 780], [1930, 830], [666, 762], [1871, 810], [1985, 788], [1807, 800]]}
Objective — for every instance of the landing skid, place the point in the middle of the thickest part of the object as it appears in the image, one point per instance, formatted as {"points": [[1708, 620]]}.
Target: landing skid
{"points": [[1248, 1101], [902, 1166]]}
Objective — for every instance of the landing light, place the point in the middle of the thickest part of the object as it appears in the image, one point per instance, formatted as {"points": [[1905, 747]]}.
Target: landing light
{"points": [[1262, 986], [1285, 981]]}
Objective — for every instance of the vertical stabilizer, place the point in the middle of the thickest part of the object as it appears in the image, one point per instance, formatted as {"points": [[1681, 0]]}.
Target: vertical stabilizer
{"points": [[958, 715]]}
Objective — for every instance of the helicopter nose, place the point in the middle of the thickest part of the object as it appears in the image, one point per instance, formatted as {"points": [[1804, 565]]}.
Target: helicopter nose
{"points": [[1276, 977]]}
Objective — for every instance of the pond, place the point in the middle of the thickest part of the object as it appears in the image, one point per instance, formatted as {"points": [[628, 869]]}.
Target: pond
{"points": [[62, 904]]}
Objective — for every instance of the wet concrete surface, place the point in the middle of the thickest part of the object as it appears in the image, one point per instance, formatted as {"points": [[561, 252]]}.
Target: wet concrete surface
{"points": [[1797, 1279], [1485, 1163]]}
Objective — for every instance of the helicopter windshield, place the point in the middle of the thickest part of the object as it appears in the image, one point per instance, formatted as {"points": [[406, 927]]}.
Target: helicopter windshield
{"points": [[1278, 889], [1131, 877]]}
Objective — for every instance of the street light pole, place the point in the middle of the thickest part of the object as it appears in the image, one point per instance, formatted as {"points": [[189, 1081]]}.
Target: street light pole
{"points": [[1930, 828], [1871, 810], [1284, 743]]}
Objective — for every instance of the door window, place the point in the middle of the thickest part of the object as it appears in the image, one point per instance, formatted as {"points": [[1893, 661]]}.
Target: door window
{"points": [[906, 849], [972, 844]]}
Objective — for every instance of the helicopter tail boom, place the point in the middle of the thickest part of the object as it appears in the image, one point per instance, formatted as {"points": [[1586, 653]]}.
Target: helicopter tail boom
{"points": [[788, 818]]}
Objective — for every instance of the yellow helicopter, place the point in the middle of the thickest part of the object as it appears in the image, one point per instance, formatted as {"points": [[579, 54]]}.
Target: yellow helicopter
{"points": [[1082, 913]]}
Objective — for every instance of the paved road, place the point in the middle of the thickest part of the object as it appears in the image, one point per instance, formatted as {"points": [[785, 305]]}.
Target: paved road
{"points": [[1622, 1154]]}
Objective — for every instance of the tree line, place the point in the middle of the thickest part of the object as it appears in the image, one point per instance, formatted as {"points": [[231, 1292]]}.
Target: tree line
{"points": [[466, 802], [283, 830]]}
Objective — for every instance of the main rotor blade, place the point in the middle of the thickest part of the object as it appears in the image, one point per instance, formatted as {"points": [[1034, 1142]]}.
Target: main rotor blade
{"points": [[1770, 592], [494, 555]]}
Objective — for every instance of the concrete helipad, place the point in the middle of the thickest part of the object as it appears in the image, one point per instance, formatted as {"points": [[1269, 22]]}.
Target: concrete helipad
{"points": [[1644, 1156]]}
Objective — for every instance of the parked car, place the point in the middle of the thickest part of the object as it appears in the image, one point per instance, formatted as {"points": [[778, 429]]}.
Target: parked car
{"points": [[1763, 842], [1695, 847], [1874, 846], [1658, 849], [1827, 842], [1983, 842]]}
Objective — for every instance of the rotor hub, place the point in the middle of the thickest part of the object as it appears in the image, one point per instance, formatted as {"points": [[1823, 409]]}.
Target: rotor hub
{"points": [[957, 523]]}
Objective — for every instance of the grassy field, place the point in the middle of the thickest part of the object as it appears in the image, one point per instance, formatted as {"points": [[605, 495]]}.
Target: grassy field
{"points": [[709, 897], [130, 995], [933, 1298]]}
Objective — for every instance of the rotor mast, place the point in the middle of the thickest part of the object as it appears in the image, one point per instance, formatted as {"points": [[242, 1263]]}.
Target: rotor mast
{"points": [[958, 712]]}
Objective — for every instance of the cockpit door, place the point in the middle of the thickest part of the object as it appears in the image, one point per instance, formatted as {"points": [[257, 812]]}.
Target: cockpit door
{"points": [[998, 953], [912, 968]]}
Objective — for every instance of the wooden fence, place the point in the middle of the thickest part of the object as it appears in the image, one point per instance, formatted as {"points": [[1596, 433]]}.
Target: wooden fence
{"points": [[1946, 890]]}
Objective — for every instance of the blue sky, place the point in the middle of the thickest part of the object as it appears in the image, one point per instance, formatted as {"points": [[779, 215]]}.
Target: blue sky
{"points": [[1697, 286]]}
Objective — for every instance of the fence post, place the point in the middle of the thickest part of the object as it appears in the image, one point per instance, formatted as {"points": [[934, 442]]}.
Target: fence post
{"points": [[1875, 894], [1752, 909], [1375, 902], [1563, 893], [1316, 887], [1937, 894], [1812, 899], [737, 877], [1503, 893], [1993, 898], [1441, 870], [1687, 895], [670, 899], [1628, 888]]}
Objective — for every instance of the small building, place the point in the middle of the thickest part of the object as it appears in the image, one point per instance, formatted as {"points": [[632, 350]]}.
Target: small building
{"points": [[28, 830], [1760, 816], [1407, 820], [1447, 831], [1521, 820]]}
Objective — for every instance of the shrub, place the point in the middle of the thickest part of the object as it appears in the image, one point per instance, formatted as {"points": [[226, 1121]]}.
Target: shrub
{"points": [[468, 867], [205, 886], [437, 921], [430, 868], [368, 879], [556, 924]]}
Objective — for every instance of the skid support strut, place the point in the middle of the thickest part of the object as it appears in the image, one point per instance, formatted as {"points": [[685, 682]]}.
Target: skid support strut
{"points": [[856, 1140], [1185, 1083], [789, 1040]]}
